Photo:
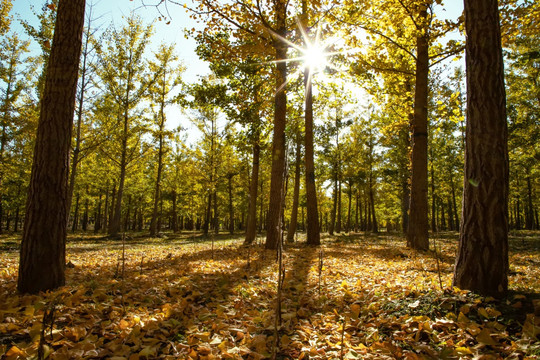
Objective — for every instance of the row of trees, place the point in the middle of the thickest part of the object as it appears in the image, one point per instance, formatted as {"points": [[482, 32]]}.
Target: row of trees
{"points": [[373, 166]]}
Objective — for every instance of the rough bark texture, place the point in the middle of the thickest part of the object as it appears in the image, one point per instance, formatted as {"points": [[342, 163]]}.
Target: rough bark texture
{"points": [[482, 259], [417, 233], [42, 258], [275, 206]]}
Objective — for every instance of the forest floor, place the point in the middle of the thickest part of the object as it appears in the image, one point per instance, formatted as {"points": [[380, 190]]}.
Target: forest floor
{"points": [[187, 297]]}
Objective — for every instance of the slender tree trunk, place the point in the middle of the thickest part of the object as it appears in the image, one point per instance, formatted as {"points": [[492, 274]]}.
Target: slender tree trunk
{"points": [[16, 221], [251, 231], [80, 108], [417, 233], [273, 227], [433, 201], [296, 193], [339, 203], [450, 216], [157, 189], [349, 194], [43, 249], [358, 209], [313, 226], [75, 215], [374, 224], [334, 206], [174, 215], [529, 220], [231, 208], [85, 214], [482, 258], [97, 224], [454, 203]]}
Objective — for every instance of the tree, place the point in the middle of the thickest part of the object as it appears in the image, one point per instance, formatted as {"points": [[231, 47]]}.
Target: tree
{"points": [[161, 90], [14, 78], [482, 259], [42, 257], [125, 81]]}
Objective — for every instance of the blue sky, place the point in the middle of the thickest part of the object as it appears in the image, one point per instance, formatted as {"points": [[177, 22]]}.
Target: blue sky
{"points": [[111, 11]]}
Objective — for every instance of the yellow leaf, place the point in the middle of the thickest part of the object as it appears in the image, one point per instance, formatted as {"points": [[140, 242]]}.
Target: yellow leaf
{"points": [[461, 351], [285, 340], [485, 338], [355, 310], [483, 312]]}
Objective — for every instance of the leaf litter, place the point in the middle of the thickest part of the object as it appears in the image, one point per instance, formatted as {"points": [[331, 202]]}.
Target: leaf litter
{"points": [[357, 297]]}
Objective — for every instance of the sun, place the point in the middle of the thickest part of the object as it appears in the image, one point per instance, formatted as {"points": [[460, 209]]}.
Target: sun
{"points": [[314, 57]]}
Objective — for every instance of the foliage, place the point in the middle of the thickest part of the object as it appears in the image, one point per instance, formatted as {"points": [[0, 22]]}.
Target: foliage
{"points": [[178, 298]]}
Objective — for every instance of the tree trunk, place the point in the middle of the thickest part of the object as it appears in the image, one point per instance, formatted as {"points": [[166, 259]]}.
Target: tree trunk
{"points": [[529, 220], [482, 258], [417, 233], [75, 215], [231, 208], [85, 215], [251, 231], [273, 227], [313, 226], [174, 215], [97, 224], [433, 202], [296, 193], [43, 249], [334, 206], [349, 208]]}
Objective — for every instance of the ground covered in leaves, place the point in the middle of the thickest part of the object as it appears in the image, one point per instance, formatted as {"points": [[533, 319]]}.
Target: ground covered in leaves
{"points": [[186, 297]]}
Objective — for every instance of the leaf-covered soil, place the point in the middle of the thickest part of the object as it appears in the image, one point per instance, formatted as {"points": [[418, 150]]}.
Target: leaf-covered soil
{"points": [[356, 297]]}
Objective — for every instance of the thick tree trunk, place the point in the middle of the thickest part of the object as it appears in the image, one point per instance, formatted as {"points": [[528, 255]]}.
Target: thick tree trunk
{"points": [[43, 256], [417, 233], [273, 227], [296, 193], [251, 231], [482, 258]]}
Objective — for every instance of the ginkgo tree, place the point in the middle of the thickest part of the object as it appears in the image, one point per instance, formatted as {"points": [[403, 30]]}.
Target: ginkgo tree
{"points": [[125, 81]]}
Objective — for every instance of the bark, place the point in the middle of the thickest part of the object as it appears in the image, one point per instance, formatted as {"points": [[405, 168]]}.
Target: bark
{"points": [[482, 259], [433, 202], [157, 189], [349, 207], [251, 231], [334, 206], [417, 233], [529, 220], [296, 193], [338, 214], [313, 226], [97, 224], [273, 227], [75, 215], [231, 207], [43, 256], [174, 215]]}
